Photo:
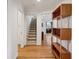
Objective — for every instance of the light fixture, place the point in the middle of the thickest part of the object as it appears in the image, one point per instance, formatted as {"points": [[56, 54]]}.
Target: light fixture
{"points": [[38, 0]]}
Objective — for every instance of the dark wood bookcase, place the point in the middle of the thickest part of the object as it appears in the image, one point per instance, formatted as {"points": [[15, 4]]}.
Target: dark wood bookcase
{"points": [[60, 52], [64, 10], [62, 33]]}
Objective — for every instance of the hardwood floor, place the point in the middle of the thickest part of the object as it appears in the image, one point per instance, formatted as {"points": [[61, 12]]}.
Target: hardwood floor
{"points": [[35, 52]]}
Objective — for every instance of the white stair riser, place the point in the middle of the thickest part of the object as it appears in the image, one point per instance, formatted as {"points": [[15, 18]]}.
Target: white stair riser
{"points": [[31, 38], [31, 35]]}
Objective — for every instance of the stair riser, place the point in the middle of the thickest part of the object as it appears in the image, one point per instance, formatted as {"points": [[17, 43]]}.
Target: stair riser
{"points": [[31, 36], [31, 33], [32, 28], [31, 40], [31, 43]]}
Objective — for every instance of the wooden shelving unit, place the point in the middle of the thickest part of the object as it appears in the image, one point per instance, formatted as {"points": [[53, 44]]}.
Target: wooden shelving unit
{"points": [[60, 53], [63, 10], [62, 33]]}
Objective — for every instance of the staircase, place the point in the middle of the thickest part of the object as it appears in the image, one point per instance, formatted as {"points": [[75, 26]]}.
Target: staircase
{"points": [[31, 38]]}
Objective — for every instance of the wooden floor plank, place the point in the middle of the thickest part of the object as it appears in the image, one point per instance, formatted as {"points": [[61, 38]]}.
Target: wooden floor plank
{"points": [[35, 52]]}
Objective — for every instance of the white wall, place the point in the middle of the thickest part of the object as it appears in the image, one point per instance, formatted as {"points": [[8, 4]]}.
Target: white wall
{"points": [[12, 29], [39, 29], [20, 29], [20, 24], [48, 40], [43, 18], [65, 44], [46, 17]]}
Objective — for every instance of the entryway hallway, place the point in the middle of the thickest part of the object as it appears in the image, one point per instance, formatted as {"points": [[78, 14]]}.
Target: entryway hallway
{"points": [[35, 52], [34, 26]]}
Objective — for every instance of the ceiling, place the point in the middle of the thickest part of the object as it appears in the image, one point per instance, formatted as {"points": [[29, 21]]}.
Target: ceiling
{"points": [[32, 6]]}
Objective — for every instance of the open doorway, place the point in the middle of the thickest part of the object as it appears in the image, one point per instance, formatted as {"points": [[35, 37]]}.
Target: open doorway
{"points": [[42, 37]]}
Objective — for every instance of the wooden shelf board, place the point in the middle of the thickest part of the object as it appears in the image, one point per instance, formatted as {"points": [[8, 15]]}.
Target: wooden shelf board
{"points": [[57, 46], [63, 10], [55, 54], [65, 33]]}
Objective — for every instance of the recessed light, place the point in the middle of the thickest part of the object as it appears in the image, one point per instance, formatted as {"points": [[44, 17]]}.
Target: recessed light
{"points": [[38, 0]]}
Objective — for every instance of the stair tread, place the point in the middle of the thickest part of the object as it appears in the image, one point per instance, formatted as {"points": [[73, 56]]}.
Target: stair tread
{"points": [[32, 31], [31, 37], [31, 41], [31, 44], [32, 28]]}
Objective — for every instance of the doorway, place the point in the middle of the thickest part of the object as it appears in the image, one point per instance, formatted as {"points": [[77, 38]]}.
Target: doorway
{"points": [[42, 38]]}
